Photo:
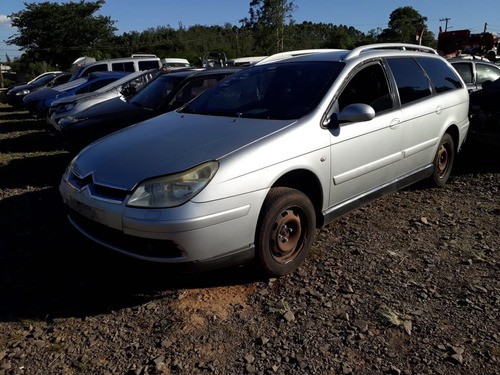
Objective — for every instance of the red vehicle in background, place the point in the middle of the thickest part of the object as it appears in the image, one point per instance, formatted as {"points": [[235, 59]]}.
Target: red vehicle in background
{"points": [[460, 42]]}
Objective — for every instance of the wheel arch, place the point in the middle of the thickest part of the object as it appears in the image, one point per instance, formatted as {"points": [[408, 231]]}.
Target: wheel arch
{"points": [[455, 135], [308, 183]]}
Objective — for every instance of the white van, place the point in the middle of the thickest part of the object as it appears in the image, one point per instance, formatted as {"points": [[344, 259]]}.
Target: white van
{"points": [[131, 64], [175, 63]]}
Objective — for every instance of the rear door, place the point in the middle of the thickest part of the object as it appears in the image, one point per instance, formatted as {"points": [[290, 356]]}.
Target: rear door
{"points": [[422, 85]]}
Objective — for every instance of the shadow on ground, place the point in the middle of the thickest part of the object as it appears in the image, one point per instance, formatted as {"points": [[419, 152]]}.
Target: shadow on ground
{"points": [[48, 270]]}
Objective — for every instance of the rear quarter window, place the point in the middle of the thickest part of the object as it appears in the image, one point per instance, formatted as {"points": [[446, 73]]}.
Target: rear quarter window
{"points": [[441, 75], [410, 79], [486, 73]]}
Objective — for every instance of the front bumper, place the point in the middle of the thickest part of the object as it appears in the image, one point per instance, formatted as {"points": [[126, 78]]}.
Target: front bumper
{"points": [[193, 236]]}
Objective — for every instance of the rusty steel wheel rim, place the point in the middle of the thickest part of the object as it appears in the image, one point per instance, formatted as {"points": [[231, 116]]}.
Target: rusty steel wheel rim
{"points": [[442, 159], [286, 238]]}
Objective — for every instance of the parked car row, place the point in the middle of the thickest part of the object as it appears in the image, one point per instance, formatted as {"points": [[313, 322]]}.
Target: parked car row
{"points": [[164, 93], [16, 94], [252, 166], [38, 103]]}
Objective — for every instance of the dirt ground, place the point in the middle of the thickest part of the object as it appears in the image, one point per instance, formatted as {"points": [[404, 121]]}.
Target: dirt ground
{"points": [[408, 284]]}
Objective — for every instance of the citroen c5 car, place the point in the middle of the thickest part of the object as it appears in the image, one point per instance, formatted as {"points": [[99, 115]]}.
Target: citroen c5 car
{"points": [[253, 166]]}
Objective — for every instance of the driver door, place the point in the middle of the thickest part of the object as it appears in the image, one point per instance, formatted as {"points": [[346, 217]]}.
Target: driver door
{"points": [[365, 155]]}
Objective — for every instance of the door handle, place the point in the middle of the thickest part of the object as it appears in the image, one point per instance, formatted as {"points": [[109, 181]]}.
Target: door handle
{"points": [[395, 123]]}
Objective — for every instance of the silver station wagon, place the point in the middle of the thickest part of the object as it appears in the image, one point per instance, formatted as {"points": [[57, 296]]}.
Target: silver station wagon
{"points": [[253, 166]]}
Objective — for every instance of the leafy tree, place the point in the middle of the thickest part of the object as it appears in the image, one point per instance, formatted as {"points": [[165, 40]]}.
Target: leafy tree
{"points": [[406, 25], [267, 21], [57, 34]]}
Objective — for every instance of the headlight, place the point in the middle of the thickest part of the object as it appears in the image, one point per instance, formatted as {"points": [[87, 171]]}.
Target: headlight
{"points": [[69, 170], [23, 92], [173, 190], [63, 107], [68, 120]]}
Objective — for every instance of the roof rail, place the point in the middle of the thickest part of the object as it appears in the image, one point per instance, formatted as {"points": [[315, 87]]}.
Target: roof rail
{"points": [[403, 46], [289, 54], [143, 55]]}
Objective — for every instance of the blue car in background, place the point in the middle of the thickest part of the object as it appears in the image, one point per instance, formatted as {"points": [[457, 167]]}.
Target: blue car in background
{"points": [[16, 94], [38, 103]]}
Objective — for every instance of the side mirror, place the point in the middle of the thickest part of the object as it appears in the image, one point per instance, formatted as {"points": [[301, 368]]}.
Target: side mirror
{"points": [[355, 113], [352, 113]]}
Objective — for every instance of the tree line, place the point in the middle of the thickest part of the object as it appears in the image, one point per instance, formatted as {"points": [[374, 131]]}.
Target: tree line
{"points": [[53, 35]]}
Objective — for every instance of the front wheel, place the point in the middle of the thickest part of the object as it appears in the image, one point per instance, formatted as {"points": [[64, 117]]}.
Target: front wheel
{"points": [[285, 231], [443, 160]]}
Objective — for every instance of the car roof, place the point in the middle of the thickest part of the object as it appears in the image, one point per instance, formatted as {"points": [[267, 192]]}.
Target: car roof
{"points": [[342, 55]]}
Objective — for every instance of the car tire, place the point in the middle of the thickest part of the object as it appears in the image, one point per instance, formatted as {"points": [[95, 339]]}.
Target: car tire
{"points": [[285, 231], [443, 160]]}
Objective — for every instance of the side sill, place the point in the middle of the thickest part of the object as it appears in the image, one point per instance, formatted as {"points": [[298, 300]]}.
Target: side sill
{"points": [[398, 184]]}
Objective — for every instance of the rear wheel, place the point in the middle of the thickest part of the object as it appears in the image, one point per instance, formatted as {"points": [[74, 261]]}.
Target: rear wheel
{"points": [[285, 231], [443, 160]]}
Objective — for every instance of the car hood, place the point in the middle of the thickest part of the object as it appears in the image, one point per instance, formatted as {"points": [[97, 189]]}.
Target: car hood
{"points": [[80, 97], [109, 108], [168, 144], [44, 93], [30, 87]]}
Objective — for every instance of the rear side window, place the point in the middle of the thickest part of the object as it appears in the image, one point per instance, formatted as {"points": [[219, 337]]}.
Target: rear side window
{"points": [[123, 67], [95, 85], [465, 71], [149, 64], [442, 77], [195, 88], [95, 68], [410, 79]]}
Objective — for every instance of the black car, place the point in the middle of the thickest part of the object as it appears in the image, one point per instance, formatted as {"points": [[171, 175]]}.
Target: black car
{"points": [[485, 114], [17, 93], [165, 93]]}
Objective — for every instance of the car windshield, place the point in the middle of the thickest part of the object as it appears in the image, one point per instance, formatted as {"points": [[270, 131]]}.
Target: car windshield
{"points": [[156, 91], [119, 82], [269, 91], [43, 79]]}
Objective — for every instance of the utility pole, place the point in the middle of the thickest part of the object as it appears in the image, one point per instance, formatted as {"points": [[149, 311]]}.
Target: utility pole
{"points": [[485, 25], [446, 22]]}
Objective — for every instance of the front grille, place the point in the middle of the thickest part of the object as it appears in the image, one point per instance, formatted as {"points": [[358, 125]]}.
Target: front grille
{"points": [[97, 190], [109, 193], [116, 239]]}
